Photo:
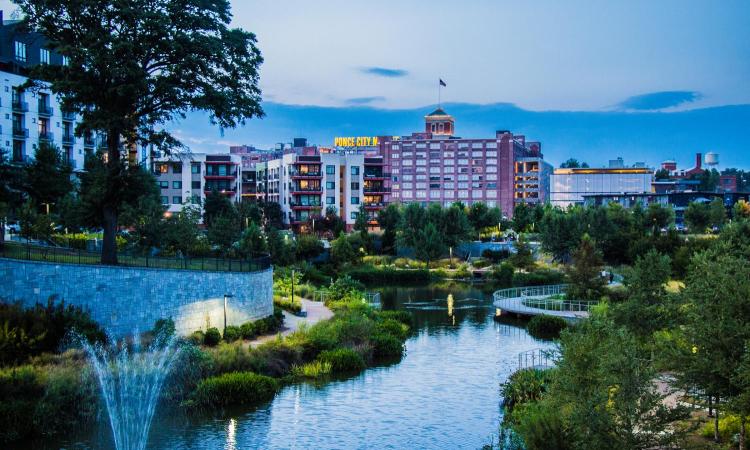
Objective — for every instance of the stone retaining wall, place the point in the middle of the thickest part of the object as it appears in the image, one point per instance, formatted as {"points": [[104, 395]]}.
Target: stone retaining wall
{"points": [[125, 299]]}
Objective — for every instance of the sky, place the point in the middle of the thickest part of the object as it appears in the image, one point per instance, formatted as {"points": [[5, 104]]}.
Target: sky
{"points": [[615, 61]]}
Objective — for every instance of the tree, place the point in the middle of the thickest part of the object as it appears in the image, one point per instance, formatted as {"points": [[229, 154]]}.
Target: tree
{"points": [[249, 211], [217, 205], [412, 221], [526, 217], [146, 218], [273, 216], [280, 248], [456, 226], [697, 217], [308, 247], [658, 217], [181, 233], [223, 233], [430, 244], [717, 290], [523, 258], [572, 163], [135, 65], [586, 282], [388, 220], [709, 180], [661, 174], [644, 311], [342, 251], [717, 213], [361, 223], [481, 217], [561, 231], [252, 241], [11, 196], [48, 176], [741, 210]]}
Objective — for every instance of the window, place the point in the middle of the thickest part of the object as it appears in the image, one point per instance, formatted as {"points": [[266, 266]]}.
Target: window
{"points": [[20, 51], [164, 200], [355, 170], [355, 185], [43, 56], [331, 200], [195, 168], [330, 185], [196, 185], [177, 168], [162, 168], [177, 185], [355, 200], [354, 215], [65, 60], [330, 170], [164, 184], [177, 200]]}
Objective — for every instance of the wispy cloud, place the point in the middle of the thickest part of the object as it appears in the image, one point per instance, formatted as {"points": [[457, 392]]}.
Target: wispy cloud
{"points": [[364, 100], [384, 72], [659, 100]]}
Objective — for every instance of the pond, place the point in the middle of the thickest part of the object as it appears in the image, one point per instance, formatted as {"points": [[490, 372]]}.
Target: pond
{"points": [[444, 393]]}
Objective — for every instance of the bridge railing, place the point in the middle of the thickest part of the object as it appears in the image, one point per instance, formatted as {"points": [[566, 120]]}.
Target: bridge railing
{"points": [[538, 358], [551, 304], [530, 291]]}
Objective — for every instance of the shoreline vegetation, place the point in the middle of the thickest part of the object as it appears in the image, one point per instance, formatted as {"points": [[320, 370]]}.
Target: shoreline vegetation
{"points": [[46, 393]]}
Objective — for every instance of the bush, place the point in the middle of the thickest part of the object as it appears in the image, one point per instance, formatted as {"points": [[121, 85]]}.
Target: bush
{"points": [[729, 426], [286, 303], [392, 327], [342, 360], [386, 346], [546, 327], [481, 263], [538, 278], [212, 337], [495, 255], [525, 386], [236, 388], [503, 275], [232, 333], [315, 369], [197, 338], [163, 328], [26, 332], [248, 331], [402, 316]]}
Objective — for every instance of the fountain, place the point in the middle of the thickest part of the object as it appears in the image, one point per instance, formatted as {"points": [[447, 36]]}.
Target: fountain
{"points": [[130, 379]]}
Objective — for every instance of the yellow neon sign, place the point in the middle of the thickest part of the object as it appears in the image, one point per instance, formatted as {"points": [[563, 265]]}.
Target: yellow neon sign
{"points": [[357, 141]]}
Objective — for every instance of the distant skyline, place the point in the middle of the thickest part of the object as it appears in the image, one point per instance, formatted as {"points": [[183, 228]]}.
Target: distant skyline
{"points": [[546, 57]]}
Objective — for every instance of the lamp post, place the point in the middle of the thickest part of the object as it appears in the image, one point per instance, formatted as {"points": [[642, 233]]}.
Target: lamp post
{"points": [[292, 287], [226, 296]]}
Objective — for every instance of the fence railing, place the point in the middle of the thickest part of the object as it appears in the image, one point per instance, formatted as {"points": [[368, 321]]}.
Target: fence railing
{"points": [[530, 291], [68, 255], [538, 358], [551, 304]]}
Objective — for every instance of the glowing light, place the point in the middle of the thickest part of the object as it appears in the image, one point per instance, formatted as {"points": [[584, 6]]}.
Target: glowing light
{"points": [[231, 435]]}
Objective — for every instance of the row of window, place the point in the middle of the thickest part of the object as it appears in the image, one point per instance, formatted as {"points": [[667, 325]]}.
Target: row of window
{"points": [[195, 184], [44, 54]]}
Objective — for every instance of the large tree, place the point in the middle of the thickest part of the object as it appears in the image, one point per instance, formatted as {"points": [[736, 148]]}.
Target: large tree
{"points": [[134, 65], [48, 177]]}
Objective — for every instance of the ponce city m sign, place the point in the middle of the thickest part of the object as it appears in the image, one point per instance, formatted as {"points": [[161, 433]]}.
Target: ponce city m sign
{"points": [[358, 141]]}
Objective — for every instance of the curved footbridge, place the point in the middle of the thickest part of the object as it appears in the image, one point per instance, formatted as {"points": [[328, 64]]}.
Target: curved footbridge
{"points": [[536, 300]]}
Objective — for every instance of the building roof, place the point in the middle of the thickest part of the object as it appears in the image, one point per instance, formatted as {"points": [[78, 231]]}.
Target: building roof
{"points": [[438, 113], [605, 170]]}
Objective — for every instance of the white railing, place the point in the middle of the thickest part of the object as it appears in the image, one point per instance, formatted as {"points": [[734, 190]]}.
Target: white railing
{"points": [[551, 304], [530, 291], [538, 358]]}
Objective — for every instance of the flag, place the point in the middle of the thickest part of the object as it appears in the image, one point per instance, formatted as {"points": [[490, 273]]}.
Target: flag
{"points": [[442, 83]]}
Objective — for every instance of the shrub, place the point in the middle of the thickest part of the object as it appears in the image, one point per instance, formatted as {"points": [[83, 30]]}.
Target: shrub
{"points": [[495, 255], [386, 346], [286, 303], [729, 426], [197, 338], [342, 360], [402, 316], [315, 369], [524, 386], [212, 337], [248, 331], [392, 327], [163, 328], [236, 388], [232, 333], [462, 272], [546, 327], [503, 275], [538, 278]]}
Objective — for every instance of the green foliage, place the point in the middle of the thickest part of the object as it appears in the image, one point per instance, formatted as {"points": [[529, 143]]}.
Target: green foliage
{"points": [[232, 333], [429, 244], [280, 247], [26, 332], [247, 330], [546, 327], [252, 241], [572, 163], [48, 176], [313, 370], [586, 282], [163, 328], [342, 360], [523, 258], [698, 217], [236, 388], [223, 232], [197, 337], [386, 346], [525, 386], [502, 275], [342, 251], [212, 337], [308, 247], [480, 217], [538, 278], [372, 275], [389, 219]]}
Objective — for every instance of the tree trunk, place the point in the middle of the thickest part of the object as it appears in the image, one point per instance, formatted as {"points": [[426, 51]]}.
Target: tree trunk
{"points": [[710, 406], [716, 427], [110, 208]]}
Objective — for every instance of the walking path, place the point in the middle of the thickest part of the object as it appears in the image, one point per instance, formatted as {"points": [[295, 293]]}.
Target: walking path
{"points": [[316, 311], [516, 305], [517, 300]]}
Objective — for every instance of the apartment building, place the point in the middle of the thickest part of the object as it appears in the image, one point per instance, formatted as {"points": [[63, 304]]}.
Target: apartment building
{"points": [[189, 178]]}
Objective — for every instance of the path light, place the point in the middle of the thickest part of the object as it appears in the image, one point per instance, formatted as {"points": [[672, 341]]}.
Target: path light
{"points": [[226, 297]]}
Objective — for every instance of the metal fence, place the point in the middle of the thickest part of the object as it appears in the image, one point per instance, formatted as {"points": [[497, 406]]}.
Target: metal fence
{"points": [[538, 358], [74, 256], [530, 291], [550, 304]]}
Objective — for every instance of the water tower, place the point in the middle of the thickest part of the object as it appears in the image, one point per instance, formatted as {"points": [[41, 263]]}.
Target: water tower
{"points": [[711, 159]]}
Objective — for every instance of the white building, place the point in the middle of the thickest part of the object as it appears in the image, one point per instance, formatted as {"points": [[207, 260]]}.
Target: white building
{"points": [[568, 186]]}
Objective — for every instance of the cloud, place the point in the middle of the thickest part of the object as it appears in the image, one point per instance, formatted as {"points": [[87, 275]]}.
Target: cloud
{"points": [[364, 100], [384, 72], [659, 100]]}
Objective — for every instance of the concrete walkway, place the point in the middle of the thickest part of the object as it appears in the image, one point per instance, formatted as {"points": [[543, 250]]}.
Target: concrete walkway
{"points": [[316, 311], [515, 305]]}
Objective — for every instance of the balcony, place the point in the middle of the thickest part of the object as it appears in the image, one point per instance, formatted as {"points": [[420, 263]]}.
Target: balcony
{"points": [[375, 205], [223, 192], [19, 106], [376, 190], [302, 206], [46, 136], [305, 190], [68, 115], [44, 110], [89, 141], [68, 139], [72, 163], [377, 176], [20, 133], [218, 176], [303, 175]]}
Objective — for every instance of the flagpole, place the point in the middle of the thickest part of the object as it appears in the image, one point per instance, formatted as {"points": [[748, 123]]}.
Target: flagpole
{"points": [[439, 86]]}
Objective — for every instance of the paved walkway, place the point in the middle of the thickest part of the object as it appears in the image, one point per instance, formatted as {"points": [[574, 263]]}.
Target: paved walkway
{"points": [[515, 305], [316, 311]]}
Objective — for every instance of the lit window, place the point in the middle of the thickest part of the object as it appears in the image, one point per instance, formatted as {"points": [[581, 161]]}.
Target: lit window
{"points": [[44, 56], [20, 51]]}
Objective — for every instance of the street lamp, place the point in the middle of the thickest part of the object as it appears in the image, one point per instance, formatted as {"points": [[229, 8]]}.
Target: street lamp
{"points": [[226, 296]]}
